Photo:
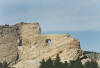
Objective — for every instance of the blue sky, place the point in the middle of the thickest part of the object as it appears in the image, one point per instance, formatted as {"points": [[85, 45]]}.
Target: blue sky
{"points": [[80, 18]]}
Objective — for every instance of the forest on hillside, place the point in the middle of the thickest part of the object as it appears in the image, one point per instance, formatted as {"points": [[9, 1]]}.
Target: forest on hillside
{"points": [[73, 64]]}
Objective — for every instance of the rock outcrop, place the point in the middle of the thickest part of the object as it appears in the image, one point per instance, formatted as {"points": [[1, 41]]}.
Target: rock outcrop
{"points": [[27, 46], [93, 55], [8, 44]]}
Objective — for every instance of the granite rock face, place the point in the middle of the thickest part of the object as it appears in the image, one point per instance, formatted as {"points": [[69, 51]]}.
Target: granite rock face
{"points": [[36, 46], [8, 44], [27, 46]]}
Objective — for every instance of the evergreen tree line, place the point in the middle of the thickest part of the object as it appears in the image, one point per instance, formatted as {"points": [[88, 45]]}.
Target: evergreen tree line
{"points": [[73, 64]]}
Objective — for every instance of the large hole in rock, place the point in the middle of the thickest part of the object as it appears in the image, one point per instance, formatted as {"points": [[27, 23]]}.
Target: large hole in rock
{"points": [[48, 41]]}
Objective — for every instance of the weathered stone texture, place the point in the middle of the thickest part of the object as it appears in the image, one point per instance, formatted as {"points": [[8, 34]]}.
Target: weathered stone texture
{"points": [[36, 46], [32, 46], [8, 44]]}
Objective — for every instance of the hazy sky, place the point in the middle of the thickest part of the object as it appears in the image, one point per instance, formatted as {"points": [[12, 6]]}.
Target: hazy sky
{"points": [[80, 18]]}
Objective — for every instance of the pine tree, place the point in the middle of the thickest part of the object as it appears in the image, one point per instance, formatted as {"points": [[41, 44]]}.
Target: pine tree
{"points": [[49, 63], [76, 64], [43, 64], [65, 65], [57, 63]]}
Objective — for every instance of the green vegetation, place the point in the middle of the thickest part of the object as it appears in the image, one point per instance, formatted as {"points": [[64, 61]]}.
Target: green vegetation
{"points": [[92, 64], [73, 64], [4, 65]]}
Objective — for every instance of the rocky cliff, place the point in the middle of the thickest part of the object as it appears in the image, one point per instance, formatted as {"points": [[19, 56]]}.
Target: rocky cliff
{"points": [[93, 55], [27, 46], [8, 44]]}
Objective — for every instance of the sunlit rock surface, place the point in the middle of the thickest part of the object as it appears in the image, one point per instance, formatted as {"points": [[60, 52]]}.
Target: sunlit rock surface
{"points": [[27, 46]]}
